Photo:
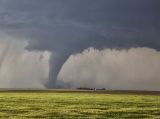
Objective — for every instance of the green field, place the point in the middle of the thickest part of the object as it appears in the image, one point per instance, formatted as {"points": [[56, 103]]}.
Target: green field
{"points": [[84, 105]]}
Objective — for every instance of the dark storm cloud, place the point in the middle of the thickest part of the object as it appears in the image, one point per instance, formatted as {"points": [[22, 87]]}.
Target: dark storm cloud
{"points": [[59, 24], [70, 26]]}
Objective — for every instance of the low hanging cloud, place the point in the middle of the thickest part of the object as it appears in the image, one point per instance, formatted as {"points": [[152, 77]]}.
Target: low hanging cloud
{"points": [[132, 69], [20, 68]]}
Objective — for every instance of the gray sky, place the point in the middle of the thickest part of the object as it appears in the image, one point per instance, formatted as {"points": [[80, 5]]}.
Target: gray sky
{"points": [[75, 25], [68, 27]]}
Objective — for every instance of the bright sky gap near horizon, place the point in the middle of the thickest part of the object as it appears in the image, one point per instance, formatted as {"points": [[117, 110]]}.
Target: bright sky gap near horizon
{"points": [[74, 43]]}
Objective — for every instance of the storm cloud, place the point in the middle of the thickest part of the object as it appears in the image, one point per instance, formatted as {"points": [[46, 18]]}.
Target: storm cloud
{"points": [[67, 27], [20, 68], [133, 69]]}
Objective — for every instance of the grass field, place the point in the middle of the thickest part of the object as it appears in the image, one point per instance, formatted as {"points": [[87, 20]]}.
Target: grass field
{"points": [[82, 105]]}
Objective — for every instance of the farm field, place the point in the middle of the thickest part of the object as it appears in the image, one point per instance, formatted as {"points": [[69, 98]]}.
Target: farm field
{"points": [[78, 105]]}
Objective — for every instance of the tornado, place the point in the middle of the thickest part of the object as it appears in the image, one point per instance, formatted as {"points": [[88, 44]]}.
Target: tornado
{"points": [[56, 62]]}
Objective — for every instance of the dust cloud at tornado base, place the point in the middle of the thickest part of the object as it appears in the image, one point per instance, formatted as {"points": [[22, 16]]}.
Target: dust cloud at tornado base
{"points": [[20, 68], [132, 69]]}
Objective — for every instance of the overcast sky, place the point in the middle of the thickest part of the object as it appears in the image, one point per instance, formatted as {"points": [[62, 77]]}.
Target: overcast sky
{"points": [[67, 27]]}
